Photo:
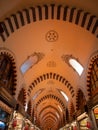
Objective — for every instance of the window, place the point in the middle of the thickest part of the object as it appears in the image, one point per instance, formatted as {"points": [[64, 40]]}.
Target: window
{"points": [[30, 61], [65, 96], [74, 63]]}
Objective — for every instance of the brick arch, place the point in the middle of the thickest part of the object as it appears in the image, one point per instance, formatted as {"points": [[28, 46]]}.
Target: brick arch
{"points": [[29, 108], [7, 53], [54, 76], [80, 100], [67, 115], [46, 114], [46, 107], [45, 12], [89, 73], [22, 97], [72, 111], [53, 97]]}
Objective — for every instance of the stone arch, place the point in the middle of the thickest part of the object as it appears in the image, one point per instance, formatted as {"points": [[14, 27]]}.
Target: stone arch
{"points": [[29, 108], [9, 72], [92, 76], [54, 76], [52, 97], [80, 101], [45, 12], [22, 97], [72, 111]]}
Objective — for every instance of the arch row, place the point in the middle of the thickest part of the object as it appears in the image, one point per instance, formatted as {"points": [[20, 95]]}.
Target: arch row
{"points": [[23, 90], [53, 97], [78, 102], [46, 12], [11, 57], [90, 67], [54, 76], [49, 106], [49, 115], [29, 108]]}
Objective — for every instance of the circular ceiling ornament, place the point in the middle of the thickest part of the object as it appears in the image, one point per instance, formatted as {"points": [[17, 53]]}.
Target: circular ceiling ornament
{"points": [[51, 36]]}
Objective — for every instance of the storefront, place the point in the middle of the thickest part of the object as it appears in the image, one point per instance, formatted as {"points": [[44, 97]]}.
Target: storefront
{"points": [[7, 104], [95, 111], [67, 127], [74, 125], [5, 112], [16, 121], [84, 122], [28, 125], [71, 126], [18, 118]]}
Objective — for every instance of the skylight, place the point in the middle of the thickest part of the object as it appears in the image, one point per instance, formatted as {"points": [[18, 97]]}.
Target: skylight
{"points": [[76, 65], [28, 63], [60, 108], [57, 114], [37, 93], [65, 96]]}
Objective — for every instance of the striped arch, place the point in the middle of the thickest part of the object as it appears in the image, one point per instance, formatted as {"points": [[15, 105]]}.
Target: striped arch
{"points": [[90, 67], [49, 106], [45, 12], [54, 76], [22, 96], [29, 108], [10, 55], [53, 97], [71, 111], [80, 100]]}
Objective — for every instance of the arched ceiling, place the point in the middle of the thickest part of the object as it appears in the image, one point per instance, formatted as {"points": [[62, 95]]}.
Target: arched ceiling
{"points": [[50, 35]]}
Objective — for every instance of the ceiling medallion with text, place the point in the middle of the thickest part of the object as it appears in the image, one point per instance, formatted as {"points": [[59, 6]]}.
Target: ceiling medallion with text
{"points": [[51, 36]]}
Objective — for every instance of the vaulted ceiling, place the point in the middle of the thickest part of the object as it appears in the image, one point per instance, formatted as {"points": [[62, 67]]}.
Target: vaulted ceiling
{"points": [[48, 34]]}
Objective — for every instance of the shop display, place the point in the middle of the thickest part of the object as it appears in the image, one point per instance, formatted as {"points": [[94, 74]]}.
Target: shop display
{"points": [[3, 119], [95, 110], [16, 122]]}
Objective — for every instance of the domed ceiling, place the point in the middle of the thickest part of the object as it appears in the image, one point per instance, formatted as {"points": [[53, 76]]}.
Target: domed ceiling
{"points": [[47, 38]]}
